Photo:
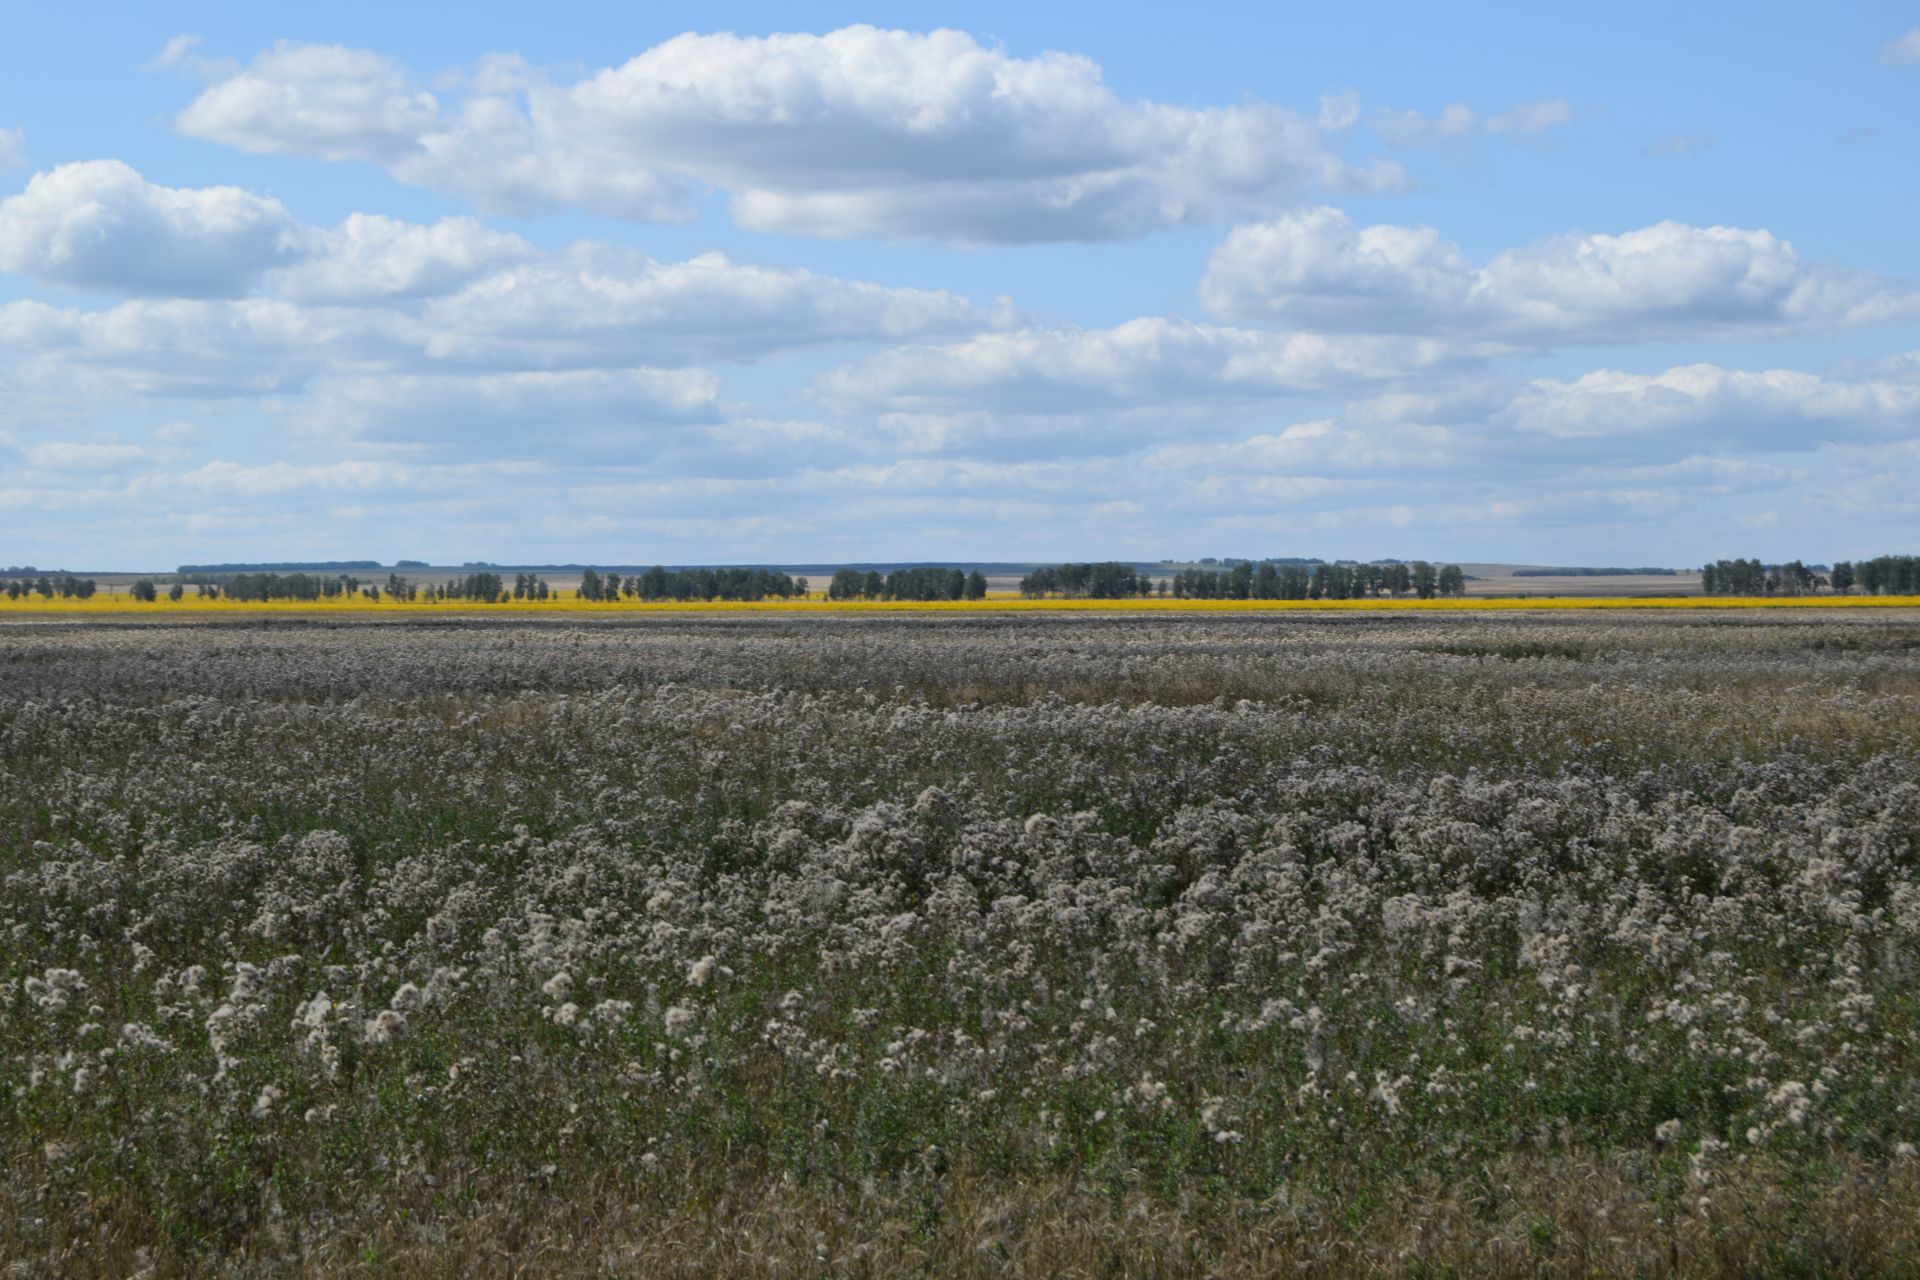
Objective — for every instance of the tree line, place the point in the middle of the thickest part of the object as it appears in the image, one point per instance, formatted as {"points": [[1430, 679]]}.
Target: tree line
{"points": [[1752, 578], [64, 585], [260, 588], [657, 583], [1880, 576], [1108, 580], [1268, 581], [918, 584]]}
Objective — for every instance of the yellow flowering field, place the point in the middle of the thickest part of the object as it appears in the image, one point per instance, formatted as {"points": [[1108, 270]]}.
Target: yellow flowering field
{"points": [[569, 603]]}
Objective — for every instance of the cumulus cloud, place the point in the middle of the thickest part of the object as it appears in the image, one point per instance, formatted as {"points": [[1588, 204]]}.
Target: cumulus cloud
{"points": [[259, 302], [182, 347], [1410, 129], [371, 259], [616, 413], [100, 225], [1702, 406], [318, 100], [1904, 52], [1148, 361], [856, 132], [596, 305], [13, 149], [1316, 269]]}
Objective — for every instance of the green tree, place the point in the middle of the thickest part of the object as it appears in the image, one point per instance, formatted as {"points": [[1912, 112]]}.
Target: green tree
{"points": [[1425, 580]]}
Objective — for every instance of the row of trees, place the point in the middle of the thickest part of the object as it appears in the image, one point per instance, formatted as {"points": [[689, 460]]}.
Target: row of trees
{"points": [[281, 586], [1752, 578], [925, 583], [1880, 576], [65, 585], [733, 583], [474, 588], [1108, 580], [1323, 582]]}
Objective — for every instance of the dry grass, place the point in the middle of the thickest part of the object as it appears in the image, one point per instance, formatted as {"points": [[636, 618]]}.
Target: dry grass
{"points": [[1531, 1217]]}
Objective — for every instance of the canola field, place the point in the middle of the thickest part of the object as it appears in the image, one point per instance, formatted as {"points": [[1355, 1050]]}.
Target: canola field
{"points": [[568, 603], [1393, 942]]}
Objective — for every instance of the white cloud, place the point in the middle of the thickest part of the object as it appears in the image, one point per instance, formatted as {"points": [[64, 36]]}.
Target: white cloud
{"points": [[178, 55], [100, 225], [371, 259], [13, 149], [599, 306], [184, 347], [319, 100], [1704, 407], [381, 295], [618, 413], [1456, 120], [1530, 117], [1905, 51], [1142, 362], [857, 132], [1316, 269]]}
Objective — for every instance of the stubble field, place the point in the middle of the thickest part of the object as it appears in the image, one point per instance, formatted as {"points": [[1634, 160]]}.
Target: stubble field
{"points": [[1391, 944]]}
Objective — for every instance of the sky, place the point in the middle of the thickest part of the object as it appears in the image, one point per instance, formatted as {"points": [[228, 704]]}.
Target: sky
{"points": [[623, 284]]}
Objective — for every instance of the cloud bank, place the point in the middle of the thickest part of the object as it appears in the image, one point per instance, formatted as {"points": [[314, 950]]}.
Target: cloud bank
{"points": [[857, 132], [1315, 269]]}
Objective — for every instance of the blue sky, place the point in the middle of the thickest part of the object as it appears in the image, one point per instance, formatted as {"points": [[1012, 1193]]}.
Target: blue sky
{"points": [[813, 283]]}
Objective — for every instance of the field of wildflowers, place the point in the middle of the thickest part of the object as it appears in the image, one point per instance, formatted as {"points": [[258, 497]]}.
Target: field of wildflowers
{"points": [[1432, 943]]}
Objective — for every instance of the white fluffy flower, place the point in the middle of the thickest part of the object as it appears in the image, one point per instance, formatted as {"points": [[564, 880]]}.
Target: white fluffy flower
{"points": [[390, 1026]]}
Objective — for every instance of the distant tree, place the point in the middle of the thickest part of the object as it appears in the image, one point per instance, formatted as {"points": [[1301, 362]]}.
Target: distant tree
{"points": [[1451, 581], [1108, 580], [175, 592], [143, 590], [976, 585], [589, 584], [1425, 580], [1842, 577]]}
